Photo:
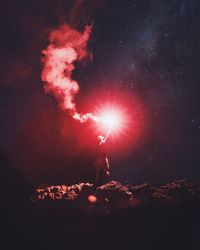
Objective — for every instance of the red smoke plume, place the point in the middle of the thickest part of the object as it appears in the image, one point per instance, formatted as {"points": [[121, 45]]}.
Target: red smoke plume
{"points": [[67, 45]]}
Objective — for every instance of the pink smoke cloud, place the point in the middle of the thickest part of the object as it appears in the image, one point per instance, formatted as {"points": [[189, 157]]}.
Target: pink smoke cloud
{"points": [[67, 45]]}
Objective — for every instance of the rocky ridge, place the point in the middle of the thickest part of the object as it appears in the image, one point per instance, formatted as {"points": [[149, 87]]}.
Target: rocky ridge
{"points": [[115, 195]]}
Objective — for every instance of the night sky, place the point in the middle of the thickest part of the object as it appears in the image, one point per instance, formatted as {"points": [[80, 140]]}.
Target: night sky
{"points": [[149, 50]]}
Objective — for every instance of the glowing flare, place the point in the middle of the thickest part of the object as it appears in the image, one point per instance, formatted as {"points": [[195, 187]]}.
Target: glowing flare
{"points": [[68, 45], [111, 120]]}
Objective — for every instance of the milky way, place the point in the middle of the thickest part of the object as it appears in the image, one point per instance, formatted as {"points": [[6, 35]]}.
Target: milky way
{"points": [[148, 48]]}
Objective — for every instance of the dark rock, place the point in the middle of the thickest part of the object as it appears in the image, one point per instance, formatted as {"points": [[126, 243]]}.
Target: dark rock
{"points": [[180, 190], [143, 191], [114, 195], [114, 191]]}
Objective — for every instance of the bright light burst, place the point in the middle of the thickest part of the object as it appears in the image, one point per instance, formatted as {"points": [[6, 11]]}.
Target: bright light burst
{"points": [[111, 121]]}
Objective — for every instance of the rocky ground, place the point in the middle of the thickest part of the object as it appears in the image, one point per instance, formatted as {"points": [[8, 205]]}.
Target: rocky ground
{"points": [[111, 216], [115, 196], [117, 216]]}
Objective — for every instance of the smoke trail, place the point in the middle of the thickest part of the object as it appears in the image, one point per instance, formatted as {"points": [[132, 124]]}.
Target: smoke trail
{"points": [[67, 45]]}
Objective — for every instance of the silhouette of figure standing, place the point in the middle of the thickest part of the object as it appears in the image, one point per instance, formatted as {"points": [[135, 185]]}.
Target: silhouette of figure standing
{"points": [[101, 163]]}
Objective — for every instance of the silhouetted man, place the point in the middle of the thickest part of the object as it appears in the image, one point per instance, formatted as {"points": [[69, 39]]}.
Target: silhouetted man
{"points": [[101, 163]]}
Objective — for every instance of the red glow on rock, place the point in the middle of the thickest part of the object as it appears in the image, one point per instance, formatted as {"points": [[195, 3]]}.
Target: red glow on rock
{"points": [[92, 198]]}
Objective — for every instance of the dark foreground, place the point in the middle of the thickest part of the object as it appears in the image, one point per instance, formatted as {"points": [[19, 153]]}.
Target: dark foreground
{"points": [[121, 217]]}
